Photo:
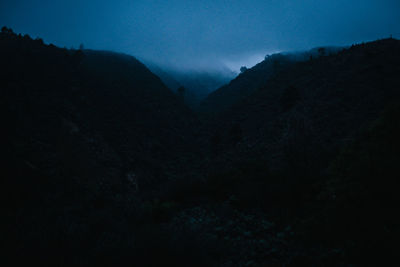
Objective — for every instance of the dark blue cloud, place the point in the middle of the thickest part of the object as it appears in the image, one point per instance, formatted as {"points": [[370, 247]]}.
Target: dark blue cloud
{"points": [[203, 33]]}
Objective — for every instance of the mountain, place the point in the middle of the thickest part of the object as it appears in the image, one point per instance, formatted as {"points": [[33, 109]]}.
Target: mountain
{"points": [[197, 83], [316, 145], [103, 165], [305, 165], [83, 132], [166, 77], [251, 79], [90, 93], [201, 83], [328, 98]]}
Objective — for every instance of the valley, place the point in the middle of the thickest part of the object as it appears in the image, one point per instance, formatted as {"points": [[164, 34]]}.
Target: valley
{"points": [[292, 163]]}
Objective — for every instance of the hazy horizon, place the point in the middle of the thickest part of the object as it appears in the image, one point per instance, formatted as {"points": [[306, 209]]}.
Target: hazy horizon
{"points": [[206, 35]]}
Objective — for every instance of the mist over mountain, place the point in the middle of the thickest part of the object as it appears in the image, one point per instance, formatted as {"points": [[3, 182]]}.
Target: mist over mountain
{"points": [[196, 35], [208, 133], [198, 83], [258, 76]]}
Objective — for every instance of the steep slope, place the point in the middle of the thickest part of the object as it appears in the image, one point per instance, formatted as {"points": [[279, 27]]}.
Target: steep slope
{"points": [[83, 133], [303, 170], [252, 79], [198, 84], [166, 77], [92, 93], [145, 120], [311, 108]]}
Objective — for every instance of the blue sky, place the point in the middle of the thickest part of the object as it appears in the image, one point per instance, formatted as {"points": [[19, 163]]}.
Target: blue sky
{"points": [[202, 34]]}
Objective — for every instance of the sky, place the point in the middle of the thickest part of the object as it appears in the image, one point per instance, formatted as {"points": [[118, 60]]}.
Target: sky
{"points": [[202, 34]]}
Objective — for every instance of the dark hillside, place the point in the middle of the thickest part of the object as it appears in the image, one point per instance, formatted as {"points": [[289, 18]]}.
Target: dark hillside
{"points": [[197, 83], [243, 85], [317, 104], [82, 133], [166, 77], [200, 84], [252, 79], [139, 116], [92, 94], [314, 152]]}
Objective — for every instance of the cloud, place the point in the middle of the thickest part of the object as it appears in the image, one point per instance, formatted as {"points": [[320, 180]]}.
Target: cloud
{"points": [[199, 34]]}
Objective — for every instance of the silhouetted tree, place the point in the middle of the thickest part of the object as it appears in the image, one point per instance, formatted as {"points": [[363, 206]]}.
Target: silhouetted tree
{"points": [[243, 69], [27, 37], [77, 57], [39, 40], [321, 51], [6, 30]]}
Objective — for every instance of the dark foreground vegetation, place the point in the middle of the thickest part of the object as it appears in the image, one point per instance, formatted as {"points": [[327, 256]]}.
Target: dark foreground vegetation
{"points": [[103, 165]]}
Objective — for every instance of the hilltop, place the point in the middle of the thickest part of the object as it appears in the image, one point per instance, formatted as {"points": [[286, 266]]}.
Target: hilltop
{"points": [[245, 84]]}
